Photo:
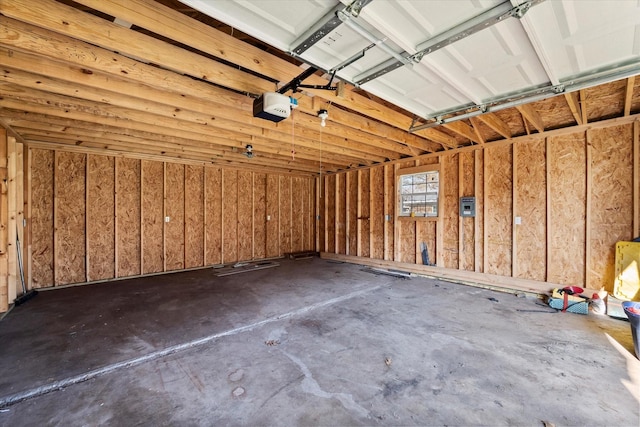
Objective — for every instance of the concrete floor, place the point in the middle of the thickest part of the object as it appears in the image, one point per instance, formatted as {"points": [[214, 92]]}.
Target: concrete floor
{"points": [[309, 343]]}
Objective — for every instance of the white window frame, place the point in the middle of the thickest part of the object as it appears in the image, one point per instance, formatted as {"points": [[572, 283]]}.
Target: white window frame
{"points": [[426, 170]]}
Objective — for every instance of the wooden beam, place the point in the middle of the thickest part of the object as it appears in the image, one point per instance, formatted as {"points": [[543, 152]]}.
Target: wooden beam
{"points": [[440, 220], [185, 93], [496, 123], [365, 124], [628, 98], [29, 203], [476, 128], [470, 278], [636, 179], [72, 22], [583, 106], [532, 116], [21, 69], [574, 105], [602, 124], [549, 228], [116, 248], [56, 245], [359, 215], [460, 217], [87, 245], [132, 155], [476, 191], [227, 131], [587, 217], [170, 23], [444, 139], [463, 129], [307, 156], [337, 207], [148, 147], [485, 211], [396, 223], [514, 210]]}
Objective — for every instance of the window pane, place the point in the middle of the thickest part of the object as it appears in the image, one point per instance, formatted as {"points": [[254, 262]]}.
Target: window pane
{"points": [[419, 194]]}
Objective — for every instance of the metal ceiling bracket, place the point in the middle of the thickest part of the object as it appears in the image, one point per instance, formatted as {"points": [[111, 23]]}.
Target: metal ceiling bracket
{"points": [[329, 22], [478, 23], [313, 35], [356, 7]]}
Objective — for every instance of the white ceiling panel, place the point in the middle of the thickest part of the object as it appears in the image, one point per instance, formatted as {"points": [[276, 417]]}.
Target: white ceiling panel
{"points": [[489, 51], [575, 37], [493, 62], [421, 20], [277, 22]]}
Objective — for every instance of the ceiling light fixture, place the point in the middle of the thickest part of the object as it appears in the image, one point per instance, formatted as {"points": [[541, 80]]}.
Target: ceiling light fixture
{"points": [[323, 114]]}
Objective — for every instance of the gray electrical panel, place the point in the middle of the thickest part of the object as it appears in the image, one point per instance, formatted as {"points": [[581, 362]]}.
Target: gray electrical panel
{"points": [[468, 206]]}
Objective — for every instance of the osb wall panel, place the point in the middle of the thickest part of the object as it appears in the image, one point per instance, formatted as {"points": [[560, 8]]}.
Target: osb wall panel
{"points": [[611, 200], [531, 208], [364, 221], [377, 212], [194, 216], [273, 221], [341, 213], [152, 216], [42, 217], [499, 198], [352, 213], [301, 213], [285, 215], [229, 215], [449, 210], [70, 218], [213, 215], [259, 215], [467, 254], [567, 170], [174, 208], [245, 215], [128, 216], [407, 234], [100, 217], [330, 212]]}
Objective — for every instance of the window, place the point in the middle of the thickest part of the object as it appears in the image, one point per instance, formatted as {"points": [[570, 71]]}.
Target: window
{"points": [[418, 190]]}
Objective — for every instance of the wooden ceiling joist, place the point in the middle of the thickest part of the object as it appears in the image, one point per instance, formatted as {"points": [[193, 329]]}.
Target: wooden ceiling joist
{"points": [[463, 129], [629, 95], [532, 116], [71, 22], [496, 123]]}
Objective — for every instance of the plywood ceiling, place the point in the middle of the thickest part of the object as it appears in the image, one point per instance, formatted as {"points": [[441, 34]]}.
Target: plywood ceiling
{"points": [[176, 80]]}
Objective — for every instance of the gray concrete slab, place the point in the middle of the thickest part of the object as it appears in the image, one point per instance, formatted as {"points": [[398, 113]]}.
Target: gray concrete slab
{"points": [[310, 343]]}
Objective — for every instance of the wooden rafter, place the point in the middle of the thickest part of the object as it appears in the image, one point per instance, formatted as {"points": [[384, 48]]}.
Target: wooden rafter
{"points": [[476, 128], [574, 106], [629, 95], [496, 123], [532, 116], [583, 106], [463, 129]]}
